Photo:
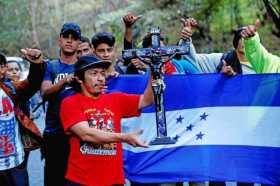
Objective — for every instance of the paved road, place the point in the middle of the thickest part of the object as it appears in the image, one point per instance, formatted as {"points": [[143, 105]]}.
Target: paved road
{"points": [[35, 169], [35, 165]]}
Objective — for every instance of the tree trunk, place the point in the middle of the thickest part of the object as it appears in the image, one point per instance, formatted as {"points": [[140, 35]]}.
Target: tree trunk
{"points": [[274, 15], [33, 12]]}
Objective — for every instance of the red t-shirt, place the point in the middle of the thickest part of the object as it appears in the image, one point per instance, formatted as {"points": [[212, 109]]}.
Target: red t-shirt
{"points": [[93, 164]]}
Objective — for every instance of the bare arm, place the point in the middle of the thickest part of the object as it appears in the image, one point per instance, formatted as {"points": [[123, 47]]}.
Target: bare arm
{"points": [[129, 20], [97, 136], [28, 87], [147, 98], [128, 34], [48, 89]]}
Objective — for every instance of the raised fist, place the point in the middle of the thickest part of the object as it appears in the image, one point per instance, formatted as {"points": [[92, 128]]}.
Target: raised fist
{"points": [[130, 19], [188, 23], [250, 30], [32, 55]]}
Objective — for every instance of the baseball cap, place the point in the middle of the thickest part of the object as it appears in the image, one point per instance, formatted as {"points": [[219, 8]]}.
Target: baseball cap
{"points": [[71, 27], [90, 61]]}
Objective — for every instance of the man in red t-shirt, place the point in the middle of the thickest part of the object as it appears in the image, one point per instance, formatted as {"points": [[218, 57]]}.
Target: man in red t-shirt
{"points": [[92, 118]]}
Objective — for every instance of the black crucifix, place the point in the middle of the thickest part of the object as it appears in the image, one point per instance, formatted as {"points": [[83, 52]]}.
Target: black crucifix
{"points": [[155, 54]]}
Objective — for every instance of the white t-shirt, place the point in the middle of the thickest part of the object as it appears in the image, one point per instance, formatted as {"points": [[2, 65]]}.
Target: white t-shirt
{"points": [[11, 148]]}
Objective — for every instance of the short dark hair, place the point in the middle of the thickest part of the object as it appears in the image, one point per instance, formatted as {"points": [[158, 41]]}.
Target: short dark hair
{"points": [[3, 59], [80, 75], [103, 37], [237, 36], [85, 39]]}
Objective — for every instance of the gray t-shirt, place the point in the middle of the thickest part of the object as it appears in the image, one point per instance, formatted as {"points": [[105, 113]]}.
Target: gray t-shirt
{"points": [[208, 63]]}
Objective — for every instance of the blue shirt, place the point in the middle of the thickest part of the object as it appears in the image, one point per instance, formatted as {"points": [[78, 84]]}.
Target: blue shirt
{"points": [[56, 71], [183, 66]]}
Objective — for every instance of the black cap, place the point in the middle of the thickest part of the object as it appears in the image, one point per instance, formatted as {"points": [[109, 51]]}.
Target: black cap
{"points": [[71, 27], [3, 59], [90, 61], [103, 37]]}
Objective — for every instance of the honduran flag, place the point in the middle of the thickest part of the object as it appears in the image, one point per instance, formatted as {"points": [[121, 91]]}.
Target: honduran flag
{"points": [[227, 129]]}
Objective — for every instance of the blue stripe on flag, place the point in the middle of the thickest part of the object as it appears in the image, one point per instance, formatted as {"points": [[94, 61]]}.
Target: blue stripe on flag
{"points": [[205, 163], [248, 90]]}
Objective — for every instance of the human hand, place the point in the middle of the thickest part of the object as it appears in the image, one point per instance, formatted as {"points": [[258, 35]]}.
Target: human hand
{"points": [[32, 55], [190, 22], [132, 139], [186, 32], [69, 78], [130, 19], [250, 30], [112, 73], [227, 70], [139, 64]]}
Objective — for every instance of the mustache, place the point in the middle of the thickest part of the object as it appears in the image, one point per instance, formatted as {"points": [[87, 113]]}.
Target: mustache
{"points": [[99, 84]]}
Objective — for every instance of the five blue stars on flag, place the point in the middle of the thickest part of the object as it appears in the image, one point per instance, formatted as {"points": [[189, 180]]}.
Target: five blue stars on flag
{"points": [[190, 127]]}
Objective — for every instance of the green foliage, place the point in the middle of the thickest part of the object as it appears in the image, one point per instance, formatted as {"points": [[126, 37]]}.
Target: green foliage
{"points": [[11, 28], [217, 19], [27, 22]]}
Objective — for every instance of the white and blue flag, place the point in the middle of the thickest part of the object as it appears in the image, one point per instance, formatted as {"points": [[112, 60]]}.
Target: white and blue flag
{"points": [[227, 129]]}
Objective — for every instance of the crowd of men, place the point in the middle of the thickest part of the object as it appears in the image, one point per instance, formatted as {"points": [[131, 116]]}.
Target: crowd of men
{"points": [[82, 134]]}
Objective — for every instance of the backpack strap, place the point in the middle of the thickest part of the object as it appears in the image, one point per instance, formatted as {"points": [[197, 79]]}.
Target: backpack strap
{"points": [[10, 91]]}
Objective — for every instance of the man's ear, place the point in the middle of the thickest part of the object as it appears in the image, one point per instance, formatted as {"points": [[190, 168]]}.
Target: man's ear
{"points": [[59, 41]]}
